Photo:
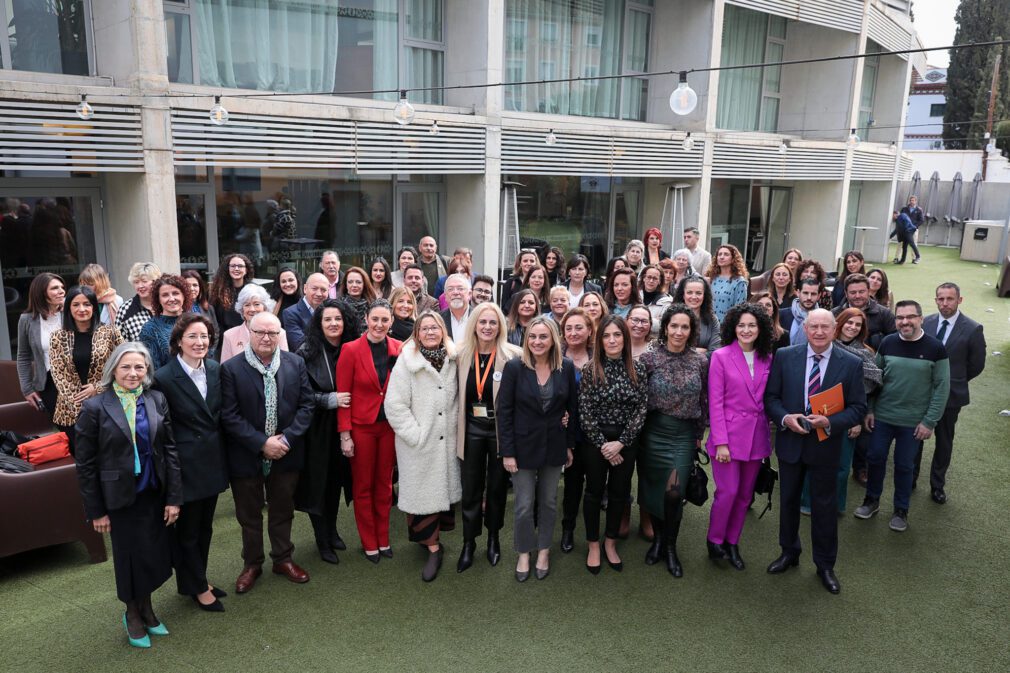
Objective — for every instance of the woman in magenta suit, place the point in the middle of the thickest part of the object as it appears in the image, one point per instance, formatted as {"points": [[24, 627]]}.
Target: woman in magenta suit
{"points": [[365, 435], [740, 437]]}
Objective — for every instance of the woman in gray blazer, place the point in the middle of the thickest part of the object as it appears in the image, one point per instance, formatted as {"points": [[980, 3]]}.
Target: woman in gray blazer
{"points": [[42, 318]]}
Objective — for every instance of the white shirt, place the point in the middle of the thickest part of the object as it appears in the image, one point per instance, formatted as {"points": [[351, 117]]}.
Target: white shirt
{"points": [[950, 325], [198, 376], [458, 327], [822, 365], [49, 326], [749, 357], [573, 299]]}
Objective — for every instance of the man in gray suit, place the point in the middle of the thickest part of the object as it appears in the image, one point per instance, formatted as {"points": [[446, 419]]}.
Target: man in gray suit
{"points": [[965, 346]]}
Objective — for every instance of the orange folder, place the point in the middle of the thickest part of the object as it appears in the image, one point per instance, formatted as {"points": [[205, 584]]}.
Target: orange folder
{"points": [[827, 403]]}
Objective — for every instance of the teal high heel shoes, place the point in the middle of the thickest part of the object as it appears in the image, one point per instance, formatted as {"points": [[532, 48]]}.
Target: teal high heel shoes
{"points": [[157, 630], [144, 642]]}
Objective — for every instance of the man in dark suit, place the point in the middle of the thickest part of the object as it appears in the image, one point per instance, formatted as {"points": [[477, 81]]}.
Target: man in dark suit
{"points": [[457, 294], [295, 319], [266, 410], [798, 372], [965, 344]]}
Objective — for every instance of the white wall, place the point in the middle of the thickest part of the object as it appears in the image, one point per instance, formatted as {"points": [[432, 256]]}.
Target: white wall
{"points": [[949, 162], [919, 122], [813, 224], [888, 103], [681, 39], [874, 211]]}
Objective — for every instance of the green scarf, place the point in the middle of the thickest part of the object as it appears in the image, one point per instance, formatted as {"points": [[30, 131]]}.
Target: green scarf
{"points": [[128, 398], [269, 374]]}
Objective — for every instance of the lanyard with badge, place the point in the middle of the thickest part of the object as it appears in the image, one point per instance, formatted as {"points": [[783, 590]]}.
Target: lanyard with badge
{"points": [[479, 409]]}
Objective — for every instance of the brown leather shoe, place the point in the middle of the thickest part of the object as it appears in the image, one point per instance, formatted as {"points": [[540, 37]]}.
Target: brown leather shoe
{"points": [[292, 571], [247, 578]]}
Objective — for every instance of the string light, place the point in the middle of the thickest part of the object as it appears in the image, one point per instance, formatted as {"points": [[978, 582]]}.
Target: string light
{"points": [[783, 147], [403, 113], [683, 100], [893, 146], [688, 143], [218, 115], [84, 109], [434, 130], [550, 138], [853, 139]]}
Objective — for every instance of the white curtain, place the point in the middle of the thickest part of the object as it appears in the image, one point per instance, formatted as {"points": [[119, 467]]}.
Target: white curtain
{"points": [[385, 45], [279, 45], [431, 212], [743, 41], [424, 68]]}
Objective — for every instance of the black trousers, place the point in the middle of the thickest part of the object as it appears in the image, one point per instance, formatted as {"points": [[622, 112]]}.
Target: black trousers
{"points": [[616, 479], [574, 480], [191, 545], [907, 239], [481, 467], [823, 510], [859, 453], [944, 435]]}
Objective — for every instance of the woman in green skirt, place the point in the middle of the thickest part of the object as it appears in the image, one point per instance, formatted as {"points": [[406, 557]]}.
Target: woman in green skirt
{"points": [[678, 377]]}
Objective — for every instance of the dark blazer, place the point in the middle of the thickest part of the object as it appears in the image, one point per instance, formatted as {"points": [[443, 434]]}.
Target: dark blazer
{"points": [[534, 437], [587, 286], [243, 414], [104, 453], [295, 320], [196, 423], [356, 375], [447, 319], [784, 395], [966, 351]]}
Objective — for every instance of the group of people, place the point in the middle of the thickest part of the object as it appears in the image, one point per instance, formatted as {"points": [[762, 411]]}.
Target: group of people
{"points": [[338, 386]]}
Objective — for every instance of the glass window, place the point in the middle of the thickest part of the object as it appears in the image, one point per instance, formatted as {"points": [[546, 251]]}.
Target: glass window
{"points": [[937, 109], [749, 97], [570, 39], [868, 93], [420, 216], [180, 47], [191, 220], [46, 36]]}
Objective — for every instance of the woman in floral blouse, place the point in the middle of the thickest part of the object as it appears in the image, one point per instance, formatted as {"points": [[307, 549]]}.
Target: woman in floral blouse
{"points": [[612, 406], [677, 377]]}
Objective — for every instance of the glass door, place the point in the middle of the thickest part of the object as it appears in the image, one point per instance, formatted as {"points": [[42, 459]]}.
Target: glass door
{"points": [[197, 227], [778, 204], [421, 213], [625, 215]]}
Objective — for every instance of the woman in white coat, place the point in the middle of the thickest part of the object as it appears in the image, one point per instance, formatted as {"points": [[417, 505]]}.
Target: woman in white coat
{"points": [[421, 407]]}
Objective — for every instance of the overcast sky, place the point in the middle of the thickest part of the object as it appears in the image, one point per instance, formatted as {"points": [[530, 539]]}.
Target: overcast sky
{"points": [[934, 21]]}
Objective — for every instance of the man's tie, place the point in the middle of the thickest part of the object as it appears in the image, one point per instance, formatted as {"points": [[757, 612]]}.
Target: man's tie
{"points": [[814, 381], [943, 330]]}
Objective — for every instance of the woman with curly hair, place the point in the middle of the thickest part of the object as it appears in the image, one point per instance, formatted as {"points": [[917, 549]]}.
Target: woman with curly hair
{"points": [[728, 277], [695, 293], [171, 299], [234, 273]]}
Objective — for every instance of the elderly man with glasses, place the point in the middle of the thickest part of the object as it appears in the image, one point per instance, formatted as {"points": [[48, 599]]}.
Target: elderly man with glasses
{"points": [[457, 293], [265, 412]]}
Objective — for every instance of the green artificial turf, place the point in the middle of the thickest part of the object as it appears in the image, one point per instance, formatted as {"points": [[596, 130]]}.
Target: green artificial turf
{"points": [[932, 599]]}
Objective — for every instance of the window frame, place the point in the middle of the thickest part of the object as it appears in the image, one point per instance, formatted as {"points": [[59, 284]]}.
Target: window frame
{"points": [[629, 7], [942, 106], [766, 92], [865, 113], [6, 58]]}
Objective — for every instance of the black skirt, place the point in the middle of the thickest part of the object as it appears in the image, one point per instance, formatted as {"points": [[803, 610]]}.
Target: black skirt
{"points": [[141, 549]]}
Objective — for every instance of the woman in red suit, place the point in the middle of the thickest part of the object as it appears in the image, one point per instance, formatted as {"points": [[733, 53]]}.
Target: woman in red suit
{"points": [[365, 436], [739, 438]]}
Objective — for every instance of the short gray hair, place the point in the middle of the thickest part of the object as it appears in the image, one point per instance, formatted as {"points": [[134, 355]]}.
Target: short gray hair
{"points": [[253, 291], [634, 243], [109, 373], [681, 252], [458, 276]]}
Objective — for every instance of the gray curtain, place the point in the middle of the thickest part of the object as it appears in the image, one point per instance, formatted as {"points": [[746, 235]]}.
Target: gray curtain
{"points": [[744, 35]]}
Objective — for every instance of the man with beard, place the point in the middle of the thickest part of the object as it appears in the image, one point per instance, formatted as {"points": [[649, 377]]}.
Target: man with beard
{"points": [[457, 292]]}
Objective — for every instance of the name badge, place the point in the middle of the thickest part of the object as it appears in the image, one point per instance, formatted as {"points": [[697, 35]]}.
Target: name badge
{"points": [[496, 376], [479, 411]]}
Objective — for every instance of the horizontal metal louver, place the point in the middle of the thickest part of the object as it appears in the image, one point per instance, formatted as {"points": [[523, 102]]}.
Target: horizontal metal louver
{"points": [[886, 32], [37, 136], [289, 142], [905, 167], [872, 165], [526, 153], [844, 15], [798, 163], [391, 148]]}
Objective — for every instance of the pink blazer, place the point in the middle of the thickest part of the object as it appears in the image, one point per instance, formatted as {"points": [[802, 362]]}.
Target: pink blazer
{"points": [[736, 404], [233, 341]]}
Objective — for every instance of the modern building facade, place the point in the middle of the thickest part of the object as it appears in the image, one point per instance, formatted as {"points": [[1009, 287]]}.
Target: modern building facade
{"points": [[927, 102], [310, 89]]}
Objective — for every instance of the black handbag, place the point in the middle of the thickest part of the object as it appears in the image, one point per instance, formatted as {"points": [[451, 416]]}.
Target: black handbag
{"points": [[14, 465], [697, 481], [765, 482], [10, 440]]}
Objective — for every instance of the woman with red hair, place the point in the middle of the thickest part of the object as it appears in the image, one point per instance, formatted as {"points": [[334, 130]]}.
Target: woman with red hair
{"points": [[654, 252]]}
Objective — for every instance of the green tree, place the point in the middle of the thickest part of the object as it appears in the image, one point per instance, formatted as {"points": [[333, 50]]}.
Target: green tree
{"points": [[969, 75]]}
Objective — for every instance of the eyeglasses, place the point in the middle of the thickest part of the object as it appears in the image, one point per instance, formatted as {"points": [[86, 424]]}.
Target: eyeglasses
{"points": [[263, 334], [430, 328], [639, 321], [196, 337]]}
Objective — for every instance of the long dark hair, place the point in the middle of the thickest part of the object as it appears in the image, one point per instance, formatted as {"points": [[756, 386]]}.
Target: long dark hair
{"points": [[513, 316], [881, 296], [222, 291], [38, 295], [201, 298], [315, 342], [844, 273], [608, 292], [705, 312], [678, 309], [598, 375], [385, 288], [69, 323], [275, 289], [763, 345]]}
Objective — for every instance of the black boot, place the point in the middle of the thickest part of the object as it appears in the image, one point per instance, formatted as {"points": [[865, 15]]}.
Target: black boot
{"points": [[322, 532], [656, 548], [466, 555], [567, 540], [493, 549], [733, 552], [716, 552], [674, 514]]}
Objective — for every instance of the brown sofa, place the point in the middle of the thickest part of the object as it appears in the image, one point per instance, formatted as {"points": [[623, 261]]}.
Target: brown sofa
{"points": [[43, 507], [10, 387]]}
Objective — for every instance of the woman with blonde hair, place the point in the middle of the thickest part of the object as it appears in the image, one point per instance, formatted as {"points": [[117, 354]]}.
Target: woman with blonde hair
{"points": [[134, 314], [482, 357], [97, 278], [404, 312]]}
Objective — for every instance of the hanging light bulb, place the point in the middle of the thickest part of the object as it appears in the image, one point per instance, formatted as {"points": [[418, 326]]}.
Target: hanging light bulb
{"points": [[84, 109], [783, 148], [893, 147], [550, 138], [683, 100], [403, 113], [218, 115], [688, 143], [853, 139], [434, 130]]}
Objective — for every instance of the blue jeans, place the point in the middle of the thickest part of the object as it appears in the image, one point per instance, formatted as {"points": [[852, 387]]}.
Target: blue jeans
{"points": [[905, 448], [844, 464]]}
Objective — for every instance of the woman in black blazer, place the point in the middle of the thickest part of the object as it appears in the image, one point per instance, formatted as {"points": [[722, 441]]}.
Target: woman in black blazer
{"points": [[128, 471], [537, 405], [191, 382]]}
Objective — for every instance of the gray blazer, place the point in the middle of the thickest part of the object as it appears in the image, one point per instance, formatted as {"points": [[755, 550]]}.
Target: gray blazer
{"points": [[966, 350], [31, 358]]}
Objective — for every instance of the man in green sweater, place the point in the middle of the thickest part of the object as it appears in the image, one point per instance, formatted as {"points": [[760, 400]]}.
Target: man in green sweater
{"points": [[910, 402]]}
